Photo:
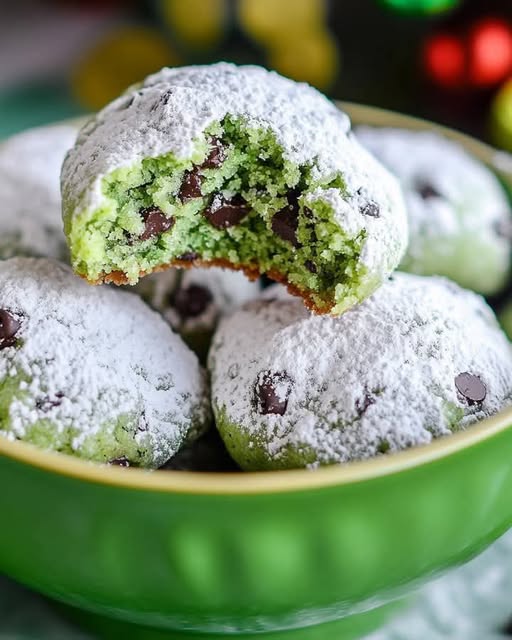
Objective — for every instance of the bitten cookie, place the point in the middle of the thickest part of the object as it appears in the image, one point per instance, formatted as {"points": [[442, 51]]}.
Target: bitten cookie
{"points": [[193, 300], [238, 167], [30, 203], [460, 219], [92, 372], [420, 359]]}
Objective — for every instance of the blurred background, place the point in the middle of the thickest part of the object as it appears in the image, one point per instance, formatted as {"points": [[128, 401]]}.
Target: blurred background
{"points": [[446, 60]]}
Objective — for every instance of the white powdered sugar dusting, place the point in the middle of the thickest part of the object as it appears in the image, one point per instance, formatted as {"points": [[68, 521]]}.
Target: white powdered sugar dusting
{"points": [[469, 197], [88, 356], [30, 203], [379, 378], [170, 111]]}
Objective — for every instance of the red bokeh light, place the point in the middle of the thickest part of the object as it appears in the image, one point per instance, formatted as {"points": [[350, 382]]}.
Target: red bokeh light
{"points": [[490, 52], [479, 57], [445, 60]]}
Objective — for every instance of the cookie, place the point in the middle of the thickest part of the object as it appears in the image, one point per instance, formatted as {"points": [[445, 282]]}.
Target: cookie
{"points": [[93, 372], [460, 220], [192, 301], [236, 167], [30, 203], [420, 359]]}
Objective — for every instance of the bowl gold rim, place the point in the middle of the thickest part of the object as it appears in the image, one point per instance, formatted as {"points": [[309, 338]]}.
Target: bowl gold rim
{"points": [[500, 161], [263, 482], [203, 483]]}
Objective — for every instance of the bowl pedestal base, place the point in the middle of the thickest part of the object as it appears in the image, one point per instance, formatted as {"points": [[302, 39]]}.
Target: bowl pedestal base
{"points": [[350, 628]]}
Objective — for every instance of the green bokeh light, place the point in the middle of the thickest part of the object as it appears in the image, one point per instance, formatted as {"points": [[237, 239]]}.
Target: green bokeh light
{"points": [[421, 6]]}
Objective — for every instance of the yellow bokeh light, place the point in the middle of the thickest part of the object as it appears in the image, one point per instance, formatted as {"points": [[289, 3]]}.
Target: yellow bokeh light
{"points": [[199, 23], [310, 57], [269, 21], [501, 117], [120, 59]]}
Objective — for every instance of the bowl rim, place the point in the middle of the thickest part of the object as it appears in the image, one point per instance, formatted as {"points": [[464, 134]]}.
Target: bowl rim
{"points": [[272, 482], [260, 482]]}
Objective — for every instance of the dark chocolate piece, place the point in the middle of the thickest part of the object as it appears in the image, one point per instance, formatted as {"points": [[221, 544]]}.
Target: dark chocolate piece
{"points": [[286, 222], [271, 392], [470, 387], [223, 213], [503, 228], [156, 222], [192, 301], [363, 404], [188, 256], [120, 462], [191, 186], [9, 327], [46, 404], [427, 190], [216, 156]]}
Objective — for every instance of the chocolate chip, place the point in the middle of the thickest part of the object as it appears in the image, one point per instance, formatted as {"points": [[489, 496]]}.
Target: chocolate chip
{"points": [[310, 266], [224, 213], [286, 221], [427, 190], [120, 462], [216, 156], [192, 301], [191, 186], [46, 404], [470, 387], [503, 228], [371, 209], [9, 327], [271, 392], [156, 222], [293, 195], [363, 404], [188, 256], [167, 95]]}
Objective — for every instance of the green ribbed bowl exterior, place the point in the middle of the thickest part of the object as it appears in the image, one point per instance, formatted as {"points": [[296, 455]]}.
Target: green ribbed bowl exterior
{"points": [[249, 563]]}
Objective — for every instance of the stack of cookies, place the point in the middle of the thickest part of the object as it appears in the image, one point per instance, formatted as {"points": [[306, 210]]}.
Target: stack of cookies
{"points": [[219, 176]]}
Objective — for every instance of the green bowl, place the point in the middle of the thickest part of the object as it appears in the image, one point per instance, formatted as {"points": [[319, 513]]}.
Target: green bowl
{"points": [[290, 554]]}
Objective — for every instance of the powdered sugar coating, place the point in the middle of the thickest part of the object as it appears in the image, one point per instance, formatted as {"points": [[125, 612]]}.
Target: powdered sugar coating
{"points": [[467, 205], [379, 378], [170, 111], [94, 370], [30, 203]]}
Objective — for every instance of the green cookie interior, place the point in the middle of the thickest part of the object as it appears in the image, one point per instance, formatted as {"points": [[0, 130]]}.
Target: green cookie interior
{"points": [[322, 264]]}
